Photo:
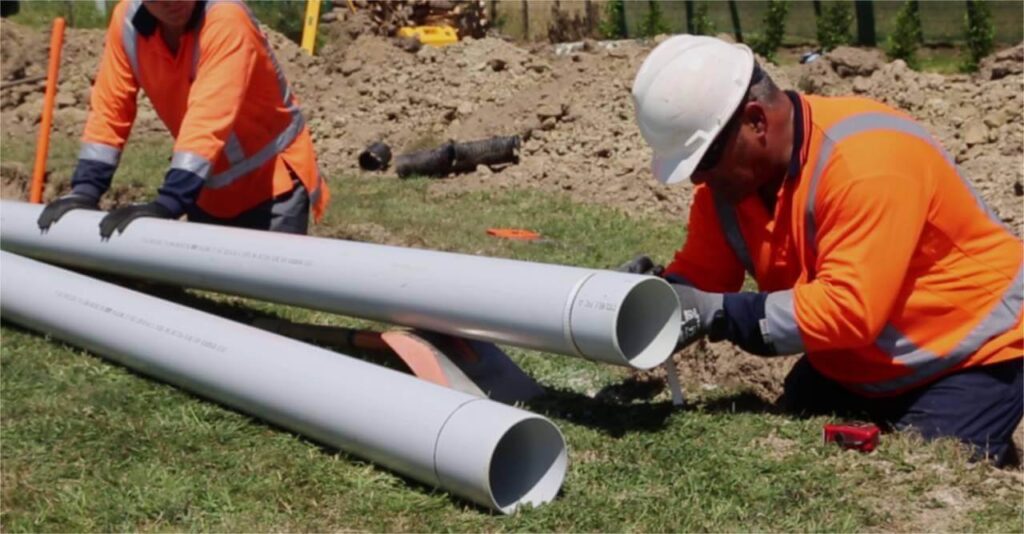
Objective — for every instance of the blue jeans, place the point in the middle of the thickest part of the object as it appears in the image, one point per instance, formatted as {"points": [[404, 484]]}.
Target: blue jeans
{"points": [[980, 406]]}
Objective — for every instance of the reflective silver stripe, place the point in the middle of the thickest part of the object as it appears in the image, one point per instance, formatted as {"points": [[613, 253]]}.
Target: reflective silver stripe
{"points": [[233, 149], [810, 228], [783, 331], [731, 228], [195, 43], [282, 83], [192, 162], [281, 141], [100, 152], [129, 37], [924, 363], [271, 149], [874, 121]]}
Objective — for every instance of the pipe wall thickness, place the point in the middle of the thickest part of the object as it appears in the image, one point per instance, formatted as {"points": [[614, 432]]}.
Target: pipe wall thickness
{"points": [[618, 318], [492, 454]]}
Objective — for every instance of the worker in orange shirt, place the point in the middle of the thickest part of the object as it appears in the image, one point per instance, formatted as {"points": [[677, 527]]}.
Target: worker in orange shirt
{"points": [[872, 254], [243, 155]]}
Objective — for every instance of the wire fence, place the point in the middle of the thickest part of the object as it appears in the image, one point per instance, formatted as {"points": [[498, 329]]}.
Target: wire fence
{"points": [[943, 21]]}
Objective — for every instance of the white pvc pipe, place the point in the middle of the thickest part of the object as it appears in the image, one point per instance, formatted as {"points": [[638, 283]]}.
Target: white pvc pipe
{"points": [[490, 453], [618, 318]]}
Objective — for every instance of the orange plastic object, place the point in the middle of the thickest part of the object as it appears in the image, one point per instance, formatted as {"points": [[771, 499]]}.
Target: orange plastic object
{"points": [[513, 233], [419, 355], [43, 144]]}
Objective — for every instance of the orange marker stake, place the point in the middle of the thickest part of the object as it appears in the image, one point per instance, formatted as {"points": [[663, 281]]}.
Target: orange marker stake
{"points": [[517, 234], [43, 144]]}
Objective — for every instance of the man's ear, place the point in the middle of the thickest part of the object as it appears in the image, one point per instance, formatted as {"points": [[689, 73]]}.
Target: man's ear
{"points": [[756, 116]]}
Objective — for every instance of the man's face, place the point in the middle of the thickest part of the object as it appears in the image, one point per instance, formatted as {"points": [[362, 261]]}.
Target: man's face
{"points": [[734, 176], [174, 13]]}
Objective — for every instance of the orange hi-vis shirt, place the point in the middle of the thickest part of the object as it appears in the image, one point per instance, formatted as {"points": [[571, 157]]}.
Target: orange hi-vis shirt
{"points": [[236, 123], [880, 261]]}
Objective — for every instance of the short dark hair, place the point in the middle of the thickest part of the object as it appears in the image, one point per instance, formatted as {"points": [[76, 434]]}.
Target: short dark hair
{"points": [[762, 88]]}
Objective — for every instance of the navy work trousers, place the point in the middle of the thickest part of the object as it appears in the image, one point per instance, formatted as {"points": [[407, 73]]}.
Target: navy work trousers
{"points": [[981, 406]]}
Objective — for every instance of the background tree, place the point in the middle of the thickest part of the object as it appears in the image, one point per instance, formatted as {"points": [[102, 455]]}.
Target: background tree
{"points": [[981, 33], [774, 24], [702, 23], [834, 25], [907, 36], [613, 23], [654, 22]]}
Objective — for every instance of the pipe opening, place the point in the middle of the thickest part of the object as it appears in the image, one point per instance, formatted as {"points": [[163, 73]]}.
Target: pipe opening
{"points": [[647, 327], [528, 465]]}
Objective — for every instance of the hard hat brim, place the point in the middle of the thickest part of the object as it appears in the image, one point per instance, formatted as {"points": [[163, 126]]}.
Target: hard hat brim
{"points": [[675, 168], [671, 167]]}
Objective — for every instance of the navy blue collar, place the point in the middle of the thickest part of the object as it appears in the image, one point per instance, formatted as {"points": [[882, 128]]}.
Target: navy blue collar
{"points": [[795, 164]]}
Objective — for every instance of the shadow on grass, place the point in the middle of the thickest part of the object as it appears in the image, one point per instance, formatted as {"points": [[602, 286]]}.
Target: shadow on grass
{"points": [[613, 418], [742, 402], [243, 314]]}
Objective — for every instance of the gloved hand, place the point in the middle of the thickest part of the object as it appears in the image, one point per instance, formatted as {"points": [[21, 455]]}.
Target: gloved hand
{"points": [[641, 265], [57, 208], [120, 218], [699, 311]]}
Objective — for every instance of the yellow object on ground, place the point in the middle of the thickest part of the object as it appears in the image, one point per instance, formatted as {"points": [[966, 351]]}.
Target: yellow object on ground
{"points": [[431, 35], [309, 27]]}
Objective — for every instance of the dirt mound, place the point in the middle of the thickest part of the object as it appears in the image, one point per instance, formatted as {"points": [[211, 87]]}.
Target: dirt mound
{"points": [[573, 108], [21, 104], [24, 53], [1005, 63]]}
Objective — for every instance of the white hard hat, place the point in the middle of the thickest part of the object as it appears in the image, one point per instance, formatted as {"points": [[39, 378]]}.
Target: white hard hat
{"points": [[685, 93]]}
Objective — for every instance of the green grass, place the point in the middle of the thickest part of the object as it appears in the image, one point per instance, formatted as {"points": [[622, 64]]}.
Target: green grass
{"points": [[284, 16], [87, 445], [76, 14]]}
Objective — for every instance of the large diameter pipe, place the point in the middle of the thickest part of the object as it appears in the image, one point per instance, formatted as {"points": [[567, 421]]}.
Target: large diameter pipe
{"points": [[619, 318], [490, 453]]}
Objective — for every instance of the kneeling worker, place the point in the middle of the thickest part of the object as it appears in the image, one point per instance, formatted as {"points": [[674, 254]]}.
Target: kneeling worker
{"points": [[872, 254], [243, 155]]}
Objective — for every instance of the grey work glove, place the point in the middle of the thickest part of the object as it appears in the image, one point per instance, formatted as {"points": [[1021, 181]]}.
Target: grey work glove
{"points": [[699, 311], [119, 218], [641, 265], [58, 207]]}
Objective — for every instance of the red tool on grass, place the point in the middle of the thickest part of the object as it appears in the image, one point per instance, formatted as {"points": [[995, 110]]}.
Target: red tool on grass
{"points": [[861, 437]]}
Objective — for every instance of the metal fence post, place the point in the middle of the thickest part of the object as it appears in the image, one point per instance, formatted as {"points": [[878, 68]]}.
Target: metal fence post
{"points": [[865, 10]]}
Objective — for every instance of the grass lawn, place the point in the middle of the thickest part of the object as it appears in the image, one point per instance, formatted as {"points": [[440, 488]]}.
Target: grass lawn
{"points": [[87, 445]]}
